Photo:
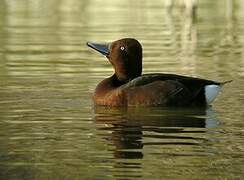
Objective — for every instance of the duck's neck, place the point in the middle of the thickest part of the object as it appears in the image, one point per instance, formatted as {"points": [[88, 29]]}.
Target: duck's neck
{"points": [[116, 82], [107, 85]]}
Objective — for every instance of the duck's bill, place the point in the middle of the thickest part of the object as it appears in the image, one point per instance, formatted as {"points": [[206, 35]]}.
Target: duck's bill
{"points": [[102, 48]]}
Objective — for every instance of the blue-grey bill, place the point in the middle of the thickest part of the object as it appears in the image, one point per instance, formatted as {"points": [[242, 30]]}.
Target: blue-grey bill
{"points": [[102, 48]]}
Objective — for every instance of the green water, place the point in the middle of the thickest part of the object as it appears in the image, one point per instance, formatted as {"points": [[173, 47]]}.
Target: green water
{"points": [[49, 128]]}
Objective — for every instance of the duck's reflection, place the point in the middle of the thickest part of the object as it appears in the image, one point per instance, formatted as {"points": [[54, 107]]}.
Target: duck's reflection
{"points": [[128, 130], [134, 133]]}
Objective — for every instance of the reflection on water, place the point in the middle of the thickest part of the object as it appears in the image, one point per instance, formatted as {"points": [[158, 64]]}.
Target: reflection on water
{"points": [[128, 127], [137, 132], [48, 128]]}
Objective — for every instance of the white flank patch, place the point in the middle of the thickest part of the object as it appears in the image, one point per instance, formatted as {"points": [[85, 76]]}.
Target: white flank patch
{"points": [[211, 91]]}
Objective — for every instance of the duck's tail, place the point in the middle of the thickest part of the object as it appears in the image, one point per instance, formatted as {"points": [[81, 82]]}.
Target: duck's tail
{"points": [[225, 82], [211, 91]]}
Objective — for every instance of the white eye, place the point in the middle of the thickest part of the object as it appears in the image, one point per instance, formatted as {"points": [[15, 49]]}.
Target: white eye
{"points": [[122, 48]]}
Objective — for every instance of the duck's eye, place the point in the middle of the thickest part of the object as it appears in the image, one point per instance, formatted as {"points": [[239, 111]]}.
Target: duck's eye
{"points": [[122, 48], [123, 51]]}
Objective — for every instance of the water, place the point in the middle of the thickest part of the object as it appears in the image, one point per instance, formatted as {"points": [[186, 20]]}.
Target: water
{"points": [[49, 128]]}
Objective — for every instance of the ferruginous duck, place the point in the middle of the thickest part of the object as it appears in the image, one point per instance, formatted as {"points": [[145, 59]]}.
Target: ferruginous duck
{"points": [[128, 87]]}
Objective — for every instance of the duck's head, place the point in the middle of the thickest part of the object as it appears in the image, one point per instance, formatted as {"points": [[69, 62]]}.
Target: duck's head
{"points": [[125, 55]]}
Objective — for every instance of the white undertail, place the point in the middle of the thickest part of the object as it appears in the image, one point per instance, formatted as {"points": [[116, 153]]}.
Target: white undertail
{"points": [[211, 92]]}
